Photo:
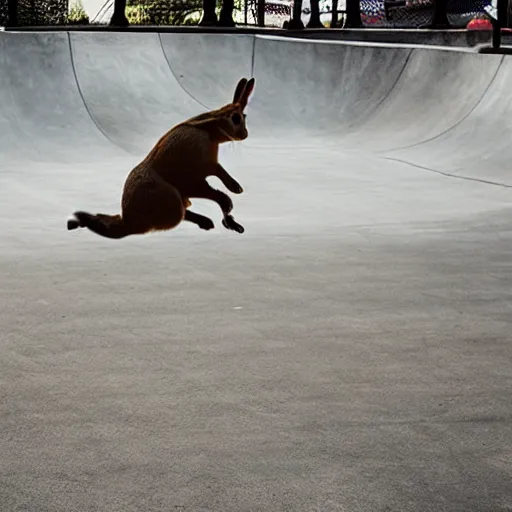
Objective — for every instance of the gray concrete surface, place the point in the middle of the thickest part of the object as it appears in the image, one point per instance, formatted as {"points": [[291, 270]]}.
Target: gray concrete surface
{"points": [[351, 351]]}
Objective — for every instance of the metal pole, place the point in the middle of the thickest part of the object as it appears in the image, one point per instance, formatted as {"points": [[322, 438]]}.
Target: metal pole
{"points": [[502, 21], [497, 12], [440, 16], [334, 14], [261, 13], [496, 34]]}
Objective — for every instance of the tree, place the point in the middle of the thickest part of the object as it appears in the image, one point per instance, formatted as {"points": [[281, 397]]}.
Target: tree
{"points": [[12, 13], [314, 18], [156, 14], [226, 14], [296, 21], [353, 19], [209, 17], [119, 18]]}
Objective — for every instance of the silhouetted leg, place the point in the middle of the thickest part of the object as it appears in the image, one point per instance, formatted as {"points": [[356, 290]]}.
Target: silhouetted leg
{"points": [[230, 223], [205, 191], [202, 221], [229, 182]]}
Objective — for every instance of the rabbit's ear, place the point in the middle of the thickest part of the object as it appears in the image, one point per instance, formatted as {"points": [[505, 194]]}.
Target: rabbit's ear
{"points": [[239, 89], [244, 97]]}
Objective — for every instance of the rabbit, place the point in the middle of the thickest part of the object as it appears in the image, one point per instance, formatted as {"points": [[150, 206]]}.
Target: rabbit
{"points": [[157, 192]]}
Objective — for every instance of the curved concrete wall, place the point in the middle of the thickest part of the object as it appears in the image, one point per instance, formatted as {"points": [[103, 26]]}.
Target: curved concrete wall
{"points": [[99, 94]]}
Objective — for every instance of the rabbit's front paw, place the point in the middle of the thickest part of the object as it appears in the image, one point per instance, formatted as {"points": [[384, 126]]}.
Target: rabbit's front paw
{"points": [[237, 188]]}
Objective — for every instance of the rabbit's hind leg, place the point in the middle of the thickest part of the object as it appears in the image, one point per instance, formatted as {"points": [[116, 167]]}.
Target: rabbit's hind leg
{"points": [[205, 191], [202, 221], [230, 223], [154, 206]]}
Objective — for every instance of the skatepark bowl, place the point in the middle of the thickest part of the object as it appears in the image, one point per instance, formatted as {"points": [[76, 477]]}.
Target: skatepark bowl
{"points": [[351, 351]]}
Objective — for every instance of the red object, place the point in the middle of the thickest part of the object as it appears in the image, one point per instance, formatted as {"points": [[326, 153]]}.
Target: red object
{"points": [[479, 24]]}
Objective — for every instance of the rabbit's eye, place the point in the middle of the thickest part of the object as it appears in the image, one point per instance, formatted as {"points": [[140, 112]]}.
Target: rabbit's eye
{"points": [[236, 118]]}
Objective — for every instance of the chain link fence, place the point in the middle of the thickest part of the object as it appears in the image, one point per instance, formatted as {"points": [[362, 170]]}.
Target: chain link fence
{"points": [[417, 13], [374, 13], [396, 13], [460, 12]]}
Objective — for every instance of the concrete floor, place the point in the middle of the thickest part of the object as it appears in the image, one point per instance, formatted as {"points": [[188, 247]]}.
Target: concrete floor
{"points": [[351, 351]]}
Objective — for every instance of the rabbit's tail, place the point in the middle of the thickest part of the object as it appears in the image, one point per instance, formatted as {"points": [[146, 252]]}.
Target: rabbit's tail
{"points": [[109, 226]]}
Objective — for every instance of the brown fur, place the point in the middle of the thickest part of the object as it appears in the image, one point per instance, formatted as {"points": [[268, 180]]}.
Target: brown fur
{"points": [[156, 194]]}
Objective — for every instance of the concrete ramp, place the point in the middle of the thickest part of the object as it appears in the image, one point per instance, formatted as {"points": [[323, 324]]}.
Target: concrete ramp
{"points": [[130, 90], [43, 116], [350, 351]]}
